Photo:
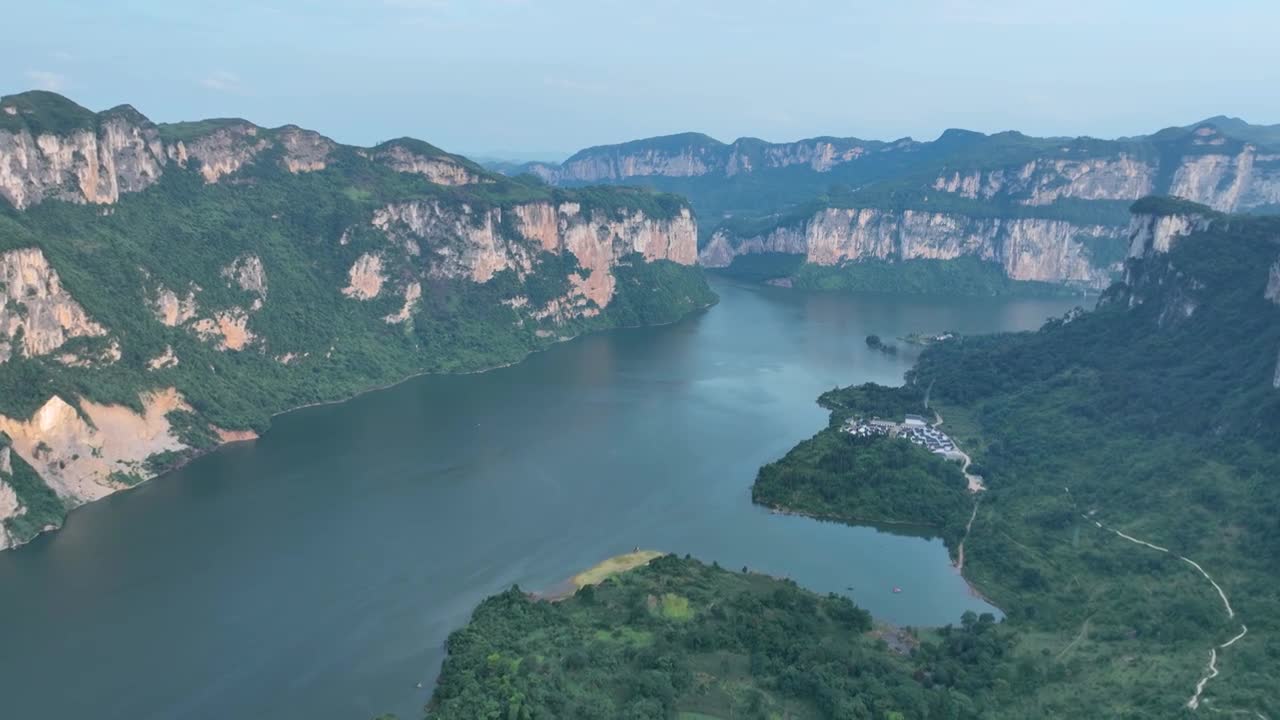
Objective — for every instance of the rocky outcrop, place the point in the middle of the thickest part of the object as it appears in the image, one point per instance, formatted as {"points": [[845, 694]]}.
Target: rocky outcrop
{"points": [[1045, 181], [249, 275], [166, 359], [464, 242], [1026, 248], [36, 308], [439, 169], [304, 150], [723, 246], [1156, 233], [220, 152], [229, 329], [694, 155], [89, 165], [83, 457], [365, 278], [412, 293], [10, 505], [172, 310]]}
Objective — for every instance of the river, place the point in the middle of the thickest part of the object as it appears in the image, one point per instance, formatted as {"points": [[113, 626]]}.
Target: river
{"points": [[317, 571]]}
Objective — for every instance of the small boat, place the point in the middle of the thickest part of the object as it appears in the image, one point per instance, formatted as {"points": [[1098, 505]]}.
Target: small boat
{"points": [[897, 589]]}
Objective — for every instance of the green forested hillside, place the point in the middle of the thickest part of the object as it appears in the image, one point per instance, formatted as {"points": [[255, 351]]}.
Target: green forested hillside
{"points": [[680, 639], [1131, 459], [310, 338], [1152, 422]]}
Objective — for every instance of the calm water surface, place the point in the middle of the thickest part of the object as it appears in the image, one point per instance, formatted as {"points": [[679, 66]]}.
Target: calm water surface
{"points": [[317, 572]]}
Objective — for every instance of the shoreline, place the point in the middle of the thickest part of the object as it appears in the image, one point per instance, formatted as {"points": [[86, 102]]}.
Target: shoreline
{"points": [[862, 522], [238, 436]]}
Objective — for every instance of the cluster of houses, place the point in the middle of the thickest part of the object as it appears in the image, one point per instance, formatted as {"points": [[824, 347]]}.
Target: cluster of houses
{"points": [[913, 428]]}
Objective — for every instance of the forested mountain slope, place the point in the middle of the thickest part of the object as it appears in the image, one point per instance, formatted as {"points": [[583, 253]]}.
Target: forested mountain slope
{"points": [[170, 287], [1034, 210], [1128, 530]]}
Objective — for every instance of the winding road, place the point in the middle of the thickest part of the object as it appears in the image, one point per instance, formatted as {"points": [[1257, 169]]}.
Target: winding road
{"points": [[1212, 669]]}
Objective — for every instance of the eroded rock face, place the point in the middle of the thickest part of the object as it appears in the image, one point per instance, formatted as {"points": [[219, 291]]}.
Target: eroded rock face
{"points": [[172, 310], [221, 152], [86, 458], [471, 244], [365, 278], [228, 328], [247, 272], [36, 306], [724, 247], [412, 293], [439, 170], [84, 166], [166, 359], [1027, 248], [304, 150], [1045, 181], [10, 505], [1157, 233]]}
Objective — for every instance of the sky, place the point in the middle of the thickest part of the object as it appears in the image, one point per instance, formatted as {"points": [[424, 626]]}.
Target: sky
{"points": [[542, 78]]}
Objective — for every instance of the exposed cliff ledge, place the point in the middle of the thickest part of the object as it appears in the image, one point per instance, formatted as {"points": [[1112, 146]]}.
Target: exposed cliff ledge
{"points": [[51, 148], [696, 155], [465, 242], [1026, 248], [414, 156], [36, 308], [91, 165], [1156, 233], [1045, 181]]}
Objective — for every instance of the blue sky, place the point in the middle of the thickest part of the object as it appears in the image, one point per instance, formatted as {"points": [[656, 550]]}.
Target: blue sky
{"points": [[549, 76]]}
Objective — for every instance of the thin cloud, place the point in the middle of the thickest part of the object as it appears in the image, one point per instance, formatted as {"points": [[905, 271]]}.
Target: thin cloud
{"points": [[46, 80], [222, 81]]}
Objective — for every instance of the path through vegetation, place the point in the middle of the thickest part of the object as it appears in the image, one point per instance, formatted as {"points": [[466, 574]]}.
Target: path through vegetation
{"points": [[1212, 669]]}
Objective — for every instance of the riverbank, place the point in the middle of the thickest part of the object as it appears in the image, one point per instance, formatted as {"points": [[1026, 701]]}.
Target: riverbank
{"points": [[182, 456]]}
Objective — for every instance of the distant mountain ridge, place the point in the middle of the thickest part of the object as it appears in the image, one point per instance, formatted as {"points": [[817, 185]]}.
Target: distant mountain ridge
{"points": [[1044, 210]]}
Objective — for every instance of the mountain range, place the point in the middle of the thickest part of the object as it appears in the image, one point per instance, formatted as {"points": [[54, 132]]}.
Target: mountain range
{"points": [[1040, 210], [165, 288]]}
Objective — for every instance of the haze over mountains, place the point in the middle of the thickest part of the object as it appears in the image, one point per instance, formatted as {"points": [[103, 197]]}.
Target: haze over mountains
{"points": [[1049, 210]]}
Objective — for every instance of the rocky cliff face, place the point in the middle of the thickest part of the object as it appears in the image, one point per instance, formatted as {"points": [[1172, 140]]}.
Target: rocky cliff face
{"points": [[38, 314], [1155, 233], [119, 151], [464, 242], [88, 454], [696, 155], [92, 165], [438, 168], [1045, 181], [1027, 248]]}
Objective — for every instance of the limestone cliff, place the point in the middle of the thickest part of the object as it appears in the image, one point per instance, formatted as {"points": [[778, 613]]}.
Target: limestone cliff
{"points": [[37, 311], [696, 155], [94, 164], [1156, 232], [95, 157], [1045, 181], [242, 271], [1026, 248], [412, 156], [466, 242]]}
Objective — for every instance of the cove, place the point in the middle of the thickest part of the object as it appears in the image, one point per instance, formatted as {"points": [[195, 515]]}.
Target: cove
{"points": [[318, 571]]}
